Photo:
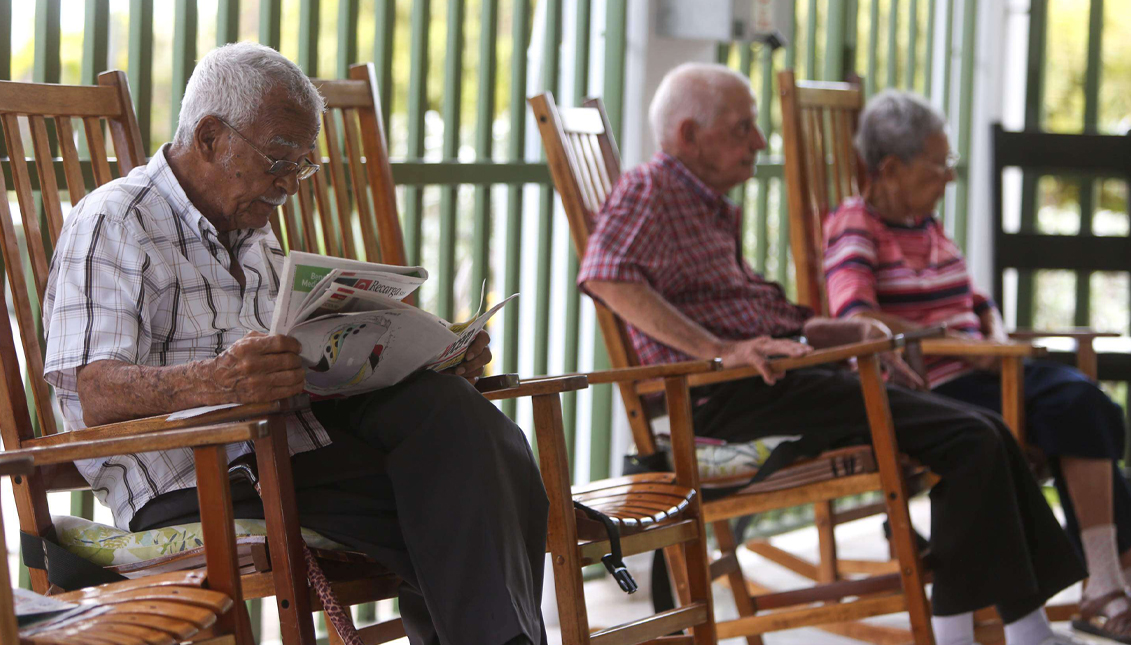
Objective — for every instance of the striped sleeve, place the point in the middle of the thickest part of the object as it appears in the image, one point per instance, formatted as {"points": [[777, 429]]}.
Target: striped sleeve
{"points": [[850, 262], [96, 302]]}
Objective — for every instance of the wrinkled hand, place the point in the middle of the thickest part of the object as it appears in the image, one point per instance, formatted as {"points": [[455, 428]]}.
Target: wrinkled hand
{"points": [[899, 372], [477, 356], [985, 363], [258, 369], [756, 352]]}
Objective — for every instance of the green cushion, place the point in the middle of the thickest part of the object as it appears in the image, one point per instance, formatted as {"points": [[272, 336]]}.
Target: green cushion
{"points": [[109, 546]]}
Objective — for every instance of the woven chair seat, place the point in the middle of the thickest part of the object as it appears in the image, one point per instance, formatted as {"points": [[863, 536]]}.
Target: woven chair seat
{"points": [[158, 610]]}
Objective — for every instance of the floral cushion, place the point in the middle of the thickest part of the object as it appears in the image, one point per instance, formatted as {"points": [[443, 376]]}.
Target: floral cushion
{"points": [[719, 459], [110, 546]]}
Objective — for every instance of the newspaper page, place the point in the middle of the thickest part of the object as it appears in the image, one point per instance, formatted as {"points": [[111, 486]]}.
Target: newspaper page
{"points": [[356, 334]]}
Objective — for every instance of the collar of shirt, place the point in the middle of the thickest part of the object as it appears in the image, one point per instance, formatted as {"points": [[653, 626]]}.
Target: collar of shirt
{"points": [[713, 200], [161, 174]]}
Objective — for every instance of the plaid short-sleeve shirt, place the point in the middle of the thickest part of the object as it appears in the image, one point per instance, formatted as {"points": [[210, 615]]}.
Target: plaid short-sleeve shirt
{"points": [[664, 227], [140, 276]]}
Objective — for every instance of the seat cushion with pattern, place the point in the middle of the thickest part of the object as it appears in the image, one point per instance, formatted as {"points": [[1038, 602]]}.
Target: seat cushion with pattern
{"points": [[169, 548]]}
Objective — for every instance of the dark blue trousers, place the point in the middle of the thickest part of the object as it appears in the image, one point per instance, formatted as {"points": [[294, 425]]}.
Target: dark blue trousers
{"points": [[1066, 415]]}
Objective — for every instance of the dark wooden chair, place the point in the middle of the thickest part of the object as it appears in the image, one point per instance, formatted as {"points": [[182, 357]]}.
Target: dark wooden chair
{"points": [[159, 609], [585, 165], [819, 121], [274, 565], [650, 511]]}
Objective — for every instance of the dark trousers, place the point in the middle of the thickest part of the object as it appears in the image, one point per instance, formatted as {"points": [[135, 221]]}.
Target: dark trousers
{"points": [[994, 539], [431, 480], [1066, 415]]}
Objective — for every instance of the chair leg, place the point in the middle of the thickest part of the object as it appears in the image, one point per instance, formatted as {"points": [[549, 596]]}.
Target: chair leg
{"points": [[296, 622], [895, 496], [724, 535], [677, 568], [214, 496], [698, 573], [562, 530], [826, 535]]}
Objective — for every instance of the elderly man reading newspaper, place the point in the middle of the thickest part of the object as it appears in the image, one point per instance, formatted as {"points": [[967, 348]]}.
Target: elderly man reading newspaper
{"points": [[666, 257], [161, 294]]}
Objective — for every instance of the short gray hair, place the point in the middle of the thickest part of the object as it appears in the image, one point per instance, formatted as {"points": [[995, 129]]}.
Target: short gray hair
{"points": [[691, 91], [896, 123], [232, 81]]}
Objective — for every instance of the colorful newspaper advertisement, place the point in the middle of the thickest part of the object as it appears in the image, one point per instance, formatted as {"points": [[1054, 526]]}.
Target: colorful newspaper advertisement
{"points": [[356, 333]]}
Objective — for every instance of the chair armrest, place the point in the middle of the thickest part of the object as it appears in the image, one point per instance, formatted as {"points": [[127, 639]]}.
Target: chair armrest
{"points": [[148, 442], [818, 357], [631, 374], [16, 464], [555, 385], [1080, 333], [976, 347], [138, 427], [497, 382]]}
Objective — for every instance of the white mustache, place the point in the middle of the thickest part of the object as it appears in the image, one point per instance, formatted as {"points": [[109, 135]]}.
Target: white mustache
{"points": [[276, 201]]}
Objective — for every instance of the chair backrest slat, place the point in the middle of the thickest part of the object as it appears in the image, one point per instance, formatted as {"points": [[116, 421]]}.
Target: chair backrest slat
{"points": [[48, 186], [96, 143], [306, 210], [125, 131], [338, 181], [330, 242], [390, 236], [76, 187], [821, 170], [292, 226], [360, 186], [28, 211], [584, 164]]}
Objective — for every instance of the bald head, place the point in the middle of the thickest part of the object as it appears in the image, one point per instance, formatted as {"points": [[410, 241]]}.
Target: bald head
{"points": [[705, 116], [692, 92]]}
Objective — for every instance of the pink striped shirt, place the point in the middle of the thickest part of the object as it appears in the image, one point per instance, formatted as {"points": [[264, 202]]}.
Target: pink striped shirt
{"points": [[915, 272]]}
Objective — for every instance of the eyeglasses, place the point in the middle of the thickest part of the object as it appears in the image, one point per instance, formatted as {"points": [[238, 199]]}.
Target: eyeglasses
{"points": [[279, 167], [951, 163]]}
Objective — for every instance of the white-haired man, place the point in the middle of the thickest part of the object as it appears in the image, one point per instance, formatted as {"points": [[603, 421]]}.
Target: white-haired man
{"points": [[666, 256], [161, 289]]}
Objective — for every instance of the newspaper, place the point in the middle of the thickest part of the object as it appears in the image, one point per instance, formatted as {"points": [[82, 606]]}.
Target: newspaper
{"points": [[356, 333]]}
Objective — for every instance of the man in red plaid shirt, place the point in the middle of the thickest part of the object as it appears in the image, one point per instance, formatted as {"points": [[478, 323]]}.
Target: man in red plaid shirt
{"points": [[667, 258]]}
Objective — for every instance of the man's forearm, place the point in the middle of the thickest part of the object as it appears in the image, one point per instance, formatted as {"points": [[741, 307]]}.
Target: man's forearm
{"points": [[643, 308], [112, 391]]}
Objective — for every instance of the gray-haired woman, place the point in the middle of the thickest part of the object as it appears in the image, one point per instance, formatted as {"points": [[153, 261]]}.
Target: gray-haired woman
{"points": [[888, 258]]}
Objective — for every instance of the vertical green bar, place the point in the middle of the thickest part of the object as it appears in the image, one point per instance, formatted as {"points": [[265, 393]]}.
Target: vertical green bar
{"points": [[573, 297], [484, 145], [722, 55], [782, 275], [745, 66], [449, 195], [766, 124], [893, 44], [811, 42], [601, 414], [929, 63], [912, 46], [551, 64], [965, 117], [308, 36], [46, 67], [95, 42], [270, 22], [417, 104], [873, 47], [95, 49], [5, 42], [184, 55], [520, 35], [227, 22], [347, 36], [1091, 121], [835, 27], [948, 57], [141, 65], [1034, 113], [386, 14]]}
